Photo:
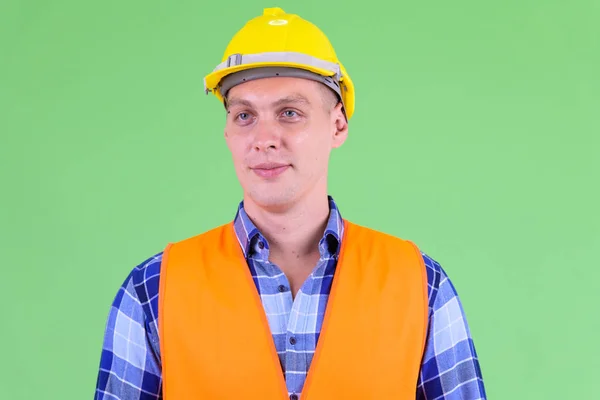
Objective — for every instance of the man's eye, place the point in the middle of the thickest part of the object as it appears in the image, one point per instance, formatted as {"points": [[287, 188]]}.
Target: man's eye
{"points": [[243, 116], [289, 113]]}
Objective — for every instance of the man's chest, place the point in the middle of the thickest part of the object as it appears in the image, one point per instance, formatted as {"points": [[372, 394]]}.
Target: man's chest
{"points": [[295, 321]]}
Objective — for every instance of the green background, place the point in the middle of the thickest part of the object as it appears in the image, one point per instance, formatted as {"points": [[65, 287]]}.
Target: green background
{"points": [[475, 135]]}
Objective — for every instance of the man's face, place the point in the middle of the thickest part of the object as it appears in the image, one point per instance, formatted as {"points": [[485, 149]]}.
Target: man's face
{"points": [[280, 132]]}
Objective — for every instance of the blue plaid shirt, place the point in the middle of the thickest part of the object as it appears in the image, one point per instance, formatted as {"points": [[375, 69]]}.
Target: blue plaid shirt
{"points": [[130, 365]]}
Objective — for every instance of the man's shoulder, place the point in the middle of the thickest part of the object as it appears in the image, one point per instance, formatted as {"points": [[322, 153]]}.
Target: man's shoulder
{"points": [[149, 269], [143, 279], [382, 236], [432, 266], [377, 234]]}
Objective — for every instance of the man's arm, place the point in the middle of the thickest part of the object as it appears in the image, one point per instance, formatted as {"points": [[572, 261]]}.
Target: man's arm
{"points": [[130, 361], [450, 368]]}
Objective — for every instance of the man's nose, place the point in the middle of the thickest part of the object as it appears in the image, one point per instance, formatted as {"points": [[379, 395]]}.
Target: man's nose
{"points": [[267, 135]]}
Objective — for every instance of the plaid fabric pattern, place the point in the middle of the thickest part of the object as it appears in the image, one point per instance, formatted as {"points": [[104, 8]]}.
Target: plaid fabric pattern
{"points": [[130, 366]]}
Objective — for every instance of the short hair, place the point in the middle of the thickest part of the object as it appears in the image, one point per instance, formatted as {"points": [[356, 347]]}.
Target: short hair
{"points": [[329, 97]]}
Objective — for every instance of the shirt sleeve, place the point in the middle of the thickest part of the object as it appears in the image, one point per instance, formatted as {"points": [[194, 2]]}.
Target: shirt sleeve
{"points": [[130, 360], [450, 369]]}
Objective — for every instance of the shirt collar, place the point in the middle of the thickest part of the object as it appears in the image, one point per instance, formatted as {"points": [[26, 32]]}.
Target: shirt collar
{"points": [[255, 245]]}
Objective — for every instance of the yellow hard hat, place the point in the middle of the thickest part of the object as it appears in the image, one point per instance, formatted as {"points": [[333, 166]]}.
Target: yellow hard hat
{"points": [[280, 44]]}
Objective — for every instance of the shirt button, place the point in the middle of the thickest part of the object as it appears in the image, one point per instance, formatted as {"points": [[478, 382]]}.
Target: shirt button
{"points": [[292, 340], [261, 245], [294, 397], [281, 288]]}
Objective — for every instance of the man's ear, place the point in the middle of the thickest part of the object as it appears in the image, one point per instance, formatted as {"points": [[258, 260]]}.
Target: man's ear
{"points": [[340, 133]]}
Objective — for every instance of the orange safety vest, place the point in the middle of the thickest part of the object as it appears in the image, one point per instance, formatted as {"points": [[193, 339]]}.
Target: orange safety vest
{"points": [[216, 343]]}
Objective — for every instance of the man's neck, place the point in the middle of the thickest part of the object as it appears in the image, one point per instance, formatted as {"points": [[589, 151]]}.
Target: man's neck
{"points": [[295, 233]]}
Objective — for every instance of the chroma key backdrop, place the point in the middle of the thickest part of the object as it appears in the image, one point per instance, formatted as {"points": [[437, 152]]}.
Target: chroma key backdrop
{"points": [[476, 135]]}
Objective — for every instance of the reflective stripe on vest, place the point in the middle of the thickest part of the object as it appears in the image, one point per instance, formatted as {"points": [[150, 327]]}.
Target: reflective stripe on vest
{"points": [[216, 343]]}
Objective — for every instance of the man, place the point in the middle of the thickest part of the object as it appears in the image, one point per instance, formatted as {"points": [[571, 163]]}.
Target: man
{"points": [[288, 300]]}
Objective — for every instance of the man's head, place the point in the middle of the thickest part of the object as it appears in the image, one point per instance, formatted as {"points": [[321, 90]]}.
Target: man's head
{"points": [[288, 100], [280, 132]]}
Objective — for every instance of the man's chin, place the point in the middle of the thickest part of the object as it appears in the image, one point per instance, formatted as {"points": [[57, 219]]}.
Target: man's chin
{"points": [[272, 200]]}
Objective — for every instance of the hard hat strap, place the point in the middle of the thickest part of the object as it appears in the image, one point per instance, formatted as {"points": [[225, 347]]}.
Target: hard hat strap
{"points": [[281, 57], [268, 72]]}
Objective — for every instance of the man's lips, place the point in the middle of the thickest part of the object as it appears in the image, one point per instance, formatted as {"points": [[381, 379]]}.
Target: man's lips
{"points": [[269, 170]]}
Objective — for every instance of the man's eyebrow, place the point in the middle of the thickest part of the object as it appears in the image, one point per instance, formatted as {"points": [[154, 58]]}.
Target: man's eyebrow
{"points": [[294, 98], [235, 102]]}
